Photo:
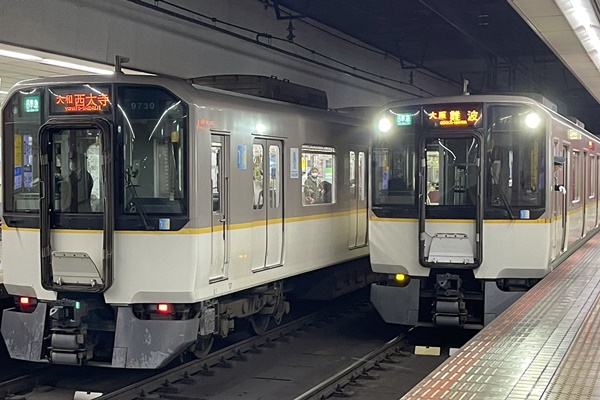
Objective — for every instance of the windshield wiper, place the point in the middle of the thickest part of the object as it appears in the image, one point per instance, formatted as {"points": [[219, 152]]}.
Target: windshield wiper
{"points": [[502, 194], [134, 201]]}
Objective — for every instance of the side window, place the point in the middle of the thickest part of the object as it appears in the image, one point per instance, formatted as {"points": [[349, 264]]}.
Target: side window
{"points": [[274, 178], [257, 175], [215, 178], [592, 177], [318, 175], [575, 177], [362, 173], [352, 178]]}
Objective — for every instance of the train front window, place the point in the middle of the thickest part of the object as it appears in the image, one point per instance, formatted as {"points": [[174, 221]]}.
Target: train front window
{"points": [[514, 154], [153, 124], [22, 121], [394, 167]]}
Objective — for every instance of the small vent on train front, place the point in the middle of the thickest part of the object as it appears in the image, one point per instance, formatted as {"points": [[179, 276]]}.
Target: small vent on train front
{"points": [[266, 87]]}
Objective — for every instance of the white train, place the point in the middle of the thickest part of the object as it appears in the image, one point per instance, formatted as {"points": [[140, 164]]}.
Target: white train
{"points": [[144, 215], [474, 199]]}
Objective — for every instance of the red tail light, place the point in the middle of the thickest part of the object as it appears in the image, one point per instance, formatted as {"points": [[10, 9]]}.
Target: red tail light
{"points": [[25, 303], [163, 308]]}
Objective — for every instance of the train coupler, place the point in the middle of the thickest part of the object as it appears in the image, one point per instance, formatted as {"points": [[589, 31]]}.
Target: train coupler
{"points": [[449, 307], [69, 348], [68, 344]]}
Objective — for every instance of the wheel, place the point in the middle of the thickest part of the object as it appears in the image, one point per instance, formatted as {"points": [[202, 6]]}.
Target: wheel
{"points": [[260, 323], [202, 346]]}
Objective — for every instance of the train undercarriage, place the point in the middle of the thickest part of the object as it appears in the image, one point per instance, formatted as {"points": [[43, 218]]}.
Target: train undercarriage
{"points": [[446, 299], [81, 329]]}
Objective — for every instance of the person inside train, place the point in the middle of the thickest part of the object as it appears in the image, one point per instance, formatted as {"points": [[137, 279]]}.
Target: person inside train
{"points": [[312, 188], [80, 182]]}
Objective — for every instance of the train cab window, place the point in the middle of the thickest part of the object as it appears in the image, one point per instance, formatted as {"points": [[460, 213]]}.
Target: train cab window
{"points": [[394, 163], [514, 154], [22, 121], [152, 123], [318, 175]]}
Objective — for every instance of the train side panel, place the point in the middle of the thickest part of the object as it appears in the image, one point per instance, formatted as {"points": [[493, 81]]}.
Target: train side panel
{"points": [[189, 267]]}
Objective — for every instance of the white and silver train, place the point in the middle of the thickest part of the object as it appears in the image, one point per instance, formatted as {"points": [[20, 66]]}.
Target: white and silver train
{"points": [[144, 215], [474, 199]]}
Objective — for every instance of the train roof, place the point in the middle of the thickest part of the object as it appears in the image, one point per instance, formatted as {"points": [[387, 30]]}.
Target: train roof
{"points": [[478, 98], [188, 90], [530, 98]]}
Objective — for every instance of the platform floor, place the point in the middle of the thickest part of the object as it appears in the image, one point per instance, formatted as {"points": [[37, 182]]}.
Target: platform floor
{"points": [[545, 346]]}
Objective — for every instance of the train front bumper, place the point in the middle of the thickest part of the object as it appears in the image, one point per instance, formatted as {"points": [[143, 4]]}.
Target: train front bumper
{"points": [[143, 344]]}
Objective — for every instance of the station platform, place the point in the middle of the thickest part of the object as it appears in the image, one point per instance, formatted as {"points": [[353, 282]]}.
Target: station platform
{"points": [[545, 346]]}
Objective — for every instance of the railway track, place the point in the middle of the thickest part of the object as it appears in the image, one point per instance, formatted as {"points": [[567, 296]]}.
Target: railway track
{"points": [[345, 350]]}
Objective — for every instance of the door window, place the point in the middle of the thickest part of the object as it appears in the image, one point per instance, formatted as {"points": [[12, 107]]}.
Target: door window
{"points": [[77, 183]]}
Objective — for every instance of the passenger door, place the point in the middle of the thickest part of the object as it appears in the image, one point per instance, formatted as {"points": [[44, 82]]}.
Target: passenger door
{"points": [[267, 226], [219, 177], [559, 203], [357, 181]]}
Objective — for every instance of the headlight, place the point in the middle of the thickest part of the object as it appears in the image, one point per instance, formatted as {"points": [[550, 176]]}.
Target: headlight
{"points": [[385, 125], [532, 120]]}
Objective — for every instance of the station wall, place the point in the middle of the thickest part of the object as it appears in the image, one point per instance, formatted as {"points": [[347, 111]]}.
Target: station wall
{"points": [[207, 37]]}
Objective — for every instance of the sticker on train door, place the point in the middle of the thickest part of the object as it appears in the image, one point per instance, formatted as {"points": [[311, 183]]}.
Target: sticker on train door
{"points": [[294, 168], [241, 156]]}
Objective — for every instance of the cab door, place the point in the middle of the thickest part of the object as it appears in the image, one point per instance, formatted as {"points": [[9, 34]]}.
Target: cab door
{"points": [[451, 191], [267, 225], [357, 182], [76, 194], [219, 178]]}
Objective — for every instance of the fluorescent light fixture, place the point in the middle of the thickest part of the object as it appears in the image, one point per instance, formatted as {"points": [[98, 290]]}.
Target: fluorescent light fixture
{"points": [[57, 63], [3, 92], [583, 20], [20, 56], [79, 67]]}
